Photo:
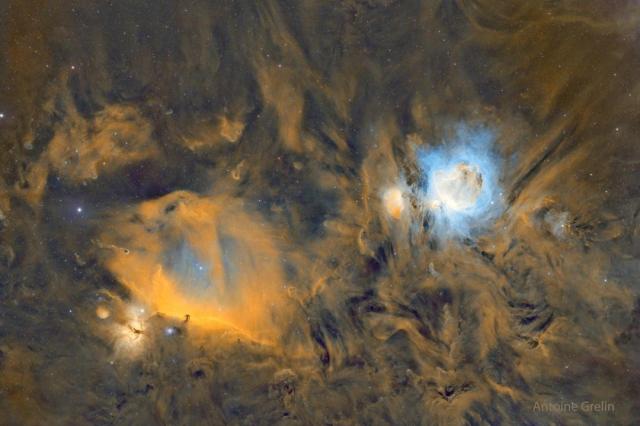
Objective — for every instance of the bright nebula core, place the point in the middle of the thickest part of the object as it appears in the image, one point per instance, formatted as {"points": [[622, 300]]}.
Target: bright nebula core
{"points": [[458, 188], [460, 182]]}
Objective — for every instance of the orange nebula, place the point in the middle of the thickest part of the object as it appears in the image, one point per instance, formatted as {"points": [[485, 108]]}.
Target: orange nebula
{"points": [[204, 259]]}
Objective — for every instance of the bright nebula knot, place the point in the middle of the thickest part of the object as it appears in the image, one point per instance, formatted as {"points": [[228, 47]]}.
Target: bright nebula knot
{"points": [[460, 183], [458, 189], [393, 202]]}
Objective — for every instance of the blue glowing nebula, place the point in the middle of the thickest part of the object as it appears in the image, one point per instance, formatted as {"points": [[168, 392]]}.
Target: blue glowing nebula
{"points": [[199, 275], [191, 271], [460, 186]]}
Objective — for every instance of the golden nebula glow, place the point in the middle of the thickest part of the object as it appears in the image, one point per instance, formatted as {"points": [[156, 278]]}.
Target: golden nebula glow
{"points": [[394, 202], [103, 312], [205, 258]]}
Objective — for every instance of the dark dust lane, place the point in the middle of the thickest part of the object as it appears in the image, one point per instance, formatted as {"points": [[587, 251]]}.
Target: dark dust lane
{"points": [[361, 212]]}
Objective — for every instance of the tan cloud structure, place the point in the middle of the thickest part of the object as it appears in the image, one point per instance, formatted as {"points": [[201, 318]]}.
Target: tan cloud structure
{"points": [[205, 258], [313, 112], [84, 149], [118, 135]]}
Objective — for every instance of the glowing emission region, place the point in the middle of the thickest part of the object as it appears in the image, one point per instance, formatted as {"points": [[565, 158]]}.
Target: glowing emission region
{"points": [[460, 185]]}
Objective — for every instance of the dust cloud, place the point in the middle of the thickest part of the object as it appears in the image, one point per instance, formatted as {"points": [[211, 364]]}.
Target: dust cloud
{"points": [[362, 212]]}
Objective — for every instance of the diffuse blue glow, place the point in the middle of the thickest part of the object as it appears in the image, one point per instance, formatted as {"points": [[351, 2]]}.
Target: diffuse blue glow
{"points": [[470, 149], [196, 274]]}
